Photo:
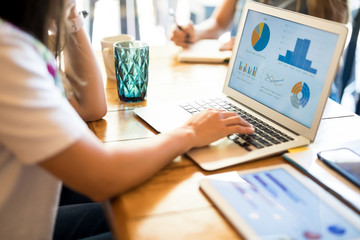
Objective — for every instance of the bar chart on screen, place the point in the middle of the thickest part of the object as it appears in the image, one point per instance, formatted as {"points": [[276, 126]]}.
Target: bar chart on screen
{"points": [[297, 57], [248, 69]]}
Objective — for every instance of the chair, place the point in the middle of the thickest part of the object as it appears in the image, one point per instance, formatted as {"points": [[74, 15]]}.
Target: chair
{"points": [[349, 60], [129, 21]]}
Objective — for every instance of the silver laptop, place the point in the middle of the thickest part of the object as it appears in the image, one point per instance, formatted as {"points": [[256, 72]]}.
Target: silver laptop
{"points": [[281, 71]]}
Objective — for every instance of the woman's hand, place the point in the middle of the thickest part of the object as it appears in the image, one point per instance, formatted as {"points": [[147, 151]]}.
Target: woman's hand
{"points": [[71, 9], [228, 46], [183, 35], [83, 82], [211, 125]]}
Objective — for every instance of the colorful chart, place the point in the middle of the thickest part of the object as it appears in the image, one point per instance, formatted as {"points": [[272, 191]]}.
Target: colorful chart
{"points": [[260, 37], [300, 95], [297, 58], [275, 81], [246, 68]]}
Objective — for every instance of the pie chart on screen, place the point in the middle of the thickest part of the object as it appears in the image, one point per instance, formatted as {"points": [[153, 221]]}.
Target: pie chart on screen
{"points": [[260, 37]]}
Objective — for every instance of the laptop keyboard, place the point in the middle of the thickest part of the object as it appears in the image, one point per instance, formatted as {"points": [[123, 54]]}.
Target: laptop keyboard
{"points": [[263, 136]]}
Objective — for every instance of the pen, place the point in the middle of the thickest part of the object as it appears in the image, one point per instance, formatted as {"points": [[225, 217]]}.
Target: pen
{"points": [[84, 13], [173, 15]]}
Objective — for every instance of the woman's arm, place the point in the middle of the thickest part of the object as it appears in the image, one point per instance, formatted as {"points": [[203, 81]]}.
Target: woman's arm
{"points": [[218, 22], [84, 75], [101, 173]]}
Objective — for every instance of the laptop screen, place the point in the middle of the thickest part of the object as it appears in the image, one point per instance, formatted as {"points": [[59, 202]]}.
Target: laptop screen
{"points": [[283, 65]]}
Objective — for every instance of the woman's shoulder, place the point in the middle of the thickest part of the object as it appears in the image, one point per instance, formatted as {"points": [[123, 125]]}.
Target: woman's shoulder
{"points": [[20, 50], [15, 41], [11, 35], [16, 45]]}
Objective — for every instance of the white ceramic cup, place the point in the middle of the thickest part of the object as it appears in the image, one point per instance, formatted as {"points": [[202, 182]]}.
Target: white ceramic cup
{"points": [[108, 52]]}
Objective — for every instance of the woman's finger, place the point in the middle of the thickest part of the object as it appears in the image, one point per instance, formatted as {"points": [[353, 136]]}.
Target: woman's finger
{"points": [[236, 120], [239, 129]]}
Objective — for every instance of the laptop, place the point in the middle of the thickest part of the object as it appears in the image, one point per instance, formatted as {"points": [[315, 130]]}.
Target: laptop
{"points": [[281, 71]]}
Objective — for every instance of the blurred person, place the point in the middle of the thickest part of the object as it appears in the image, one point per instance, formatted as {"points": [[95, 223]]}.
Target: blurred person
{"points": [[223, 15]]}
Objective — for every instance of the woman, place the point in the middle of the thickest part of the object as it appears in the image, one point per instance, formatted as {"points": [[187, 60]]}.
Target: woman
{"points": [[44, 141]]}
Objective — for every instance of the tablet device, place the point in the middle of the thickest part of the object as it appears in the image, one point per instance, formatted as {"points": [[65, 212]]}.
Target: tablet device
{"points": [[278, 202], [344, 161]]}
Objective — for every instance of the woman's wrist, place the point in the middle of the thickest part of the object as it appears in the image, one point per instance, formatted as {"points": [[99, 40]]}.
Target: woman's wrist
{"points": [[76, 23], [188, 137]]}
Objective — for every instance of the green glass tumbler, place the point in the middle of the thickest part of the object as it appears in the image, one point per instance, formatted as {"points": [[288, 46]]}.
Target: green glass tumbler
{"points": [[132, 70]]}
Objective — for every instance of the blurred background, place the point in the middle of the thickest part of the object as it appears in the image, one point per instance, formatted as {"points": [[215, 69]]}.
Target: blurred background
{"points": [[150, 21]]}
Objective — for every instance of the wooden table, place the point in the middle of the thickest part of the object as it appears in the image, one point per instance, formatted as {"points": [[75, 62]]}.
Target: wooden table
{"points": [[170, 205]]}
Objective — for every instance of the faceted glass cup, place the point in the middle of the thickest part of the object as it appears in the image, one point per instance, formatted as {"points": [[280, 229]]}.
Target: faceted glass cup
{"points": [[132, 70]]}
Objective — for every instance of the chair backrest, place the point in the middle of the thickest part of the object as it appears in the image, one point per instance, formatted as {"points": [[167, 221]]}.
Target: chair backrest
{"points": [[350, 55], [349, 59], [357, 24], [129, 18]]}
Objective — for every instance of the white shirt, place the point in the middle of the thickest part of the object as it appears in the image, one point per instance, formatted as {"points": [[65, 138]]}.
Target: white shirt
{"points": [[36, 122]]}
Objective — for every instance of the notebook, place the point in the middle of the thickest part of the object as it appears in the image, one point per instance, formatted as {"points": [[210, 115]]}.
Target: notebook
{"points": [[204, 51], [281, 71]]}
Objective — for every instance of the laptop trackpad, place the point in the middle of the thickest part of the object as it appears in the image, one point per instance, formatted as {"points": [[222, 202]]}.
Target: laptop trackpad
{"points": [[219, 154], [163, 118]]}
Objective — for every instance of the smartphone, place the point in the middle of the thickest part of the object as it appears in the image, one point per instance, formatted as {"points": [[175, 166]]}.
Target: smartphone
{"points": [[344, 161]]}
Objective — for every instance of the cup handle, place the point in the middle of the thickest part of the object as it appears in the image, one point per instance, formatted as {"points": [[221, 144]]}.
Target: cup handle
{"points": [[109, 62], [107, 57]]}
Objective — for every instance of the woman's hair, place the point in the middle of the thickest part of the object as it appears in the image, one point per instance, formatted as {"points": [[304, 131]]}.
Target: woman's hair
{"points": [[334, 10], [35, 17]]}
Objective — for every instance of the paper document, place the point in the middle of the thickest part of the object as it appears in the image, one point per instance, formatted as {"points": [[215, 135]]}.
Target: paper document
{"points": [[205, 51]]}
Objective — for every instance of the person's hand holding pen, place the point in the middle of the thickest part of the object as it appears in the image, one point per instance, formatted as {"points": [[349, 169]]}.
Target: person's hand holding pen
{"points": [[182, 34], [185, 34], [210, 28]]}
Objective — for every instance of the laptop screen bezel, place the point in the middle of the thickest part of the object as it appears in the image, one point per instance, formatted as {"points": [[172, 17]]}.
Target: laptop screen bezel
{"points": [[318, 23]]}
